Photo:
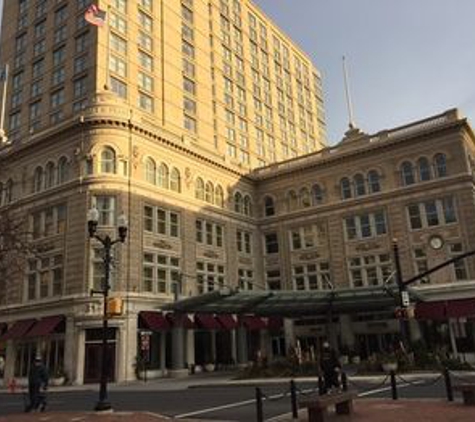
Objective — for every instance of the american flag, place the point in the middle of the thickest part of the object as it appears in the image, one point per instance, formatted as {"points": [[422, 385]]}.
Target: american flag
{"points": [[95, 16]]}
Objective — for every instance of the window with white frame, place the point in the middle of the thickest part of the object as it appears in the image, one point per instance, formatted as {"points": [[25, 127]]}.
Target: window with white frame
{"points": [[45, 277], [460, 267], [209, 276], [161, 221], [273, 279], [106, 205], [243, 241], [366, 225], [49, 221], [315, 276], [369, 270], [421, 264], [432, 213], [160, 272], [306, 237], [209, 233], [97, 274], [245, 279]]}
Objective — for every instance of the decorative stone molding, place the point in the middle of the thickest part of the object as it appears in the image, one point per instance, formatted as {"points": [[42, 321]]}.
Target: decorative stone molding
{"points": [[162, 244], [211, 254], [368, 246], [309, 256]]}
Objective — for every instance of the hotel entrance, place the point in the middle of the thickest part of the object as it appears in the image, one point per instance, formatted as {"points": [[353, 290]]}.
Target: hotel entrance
{"points": [[93, 355]]}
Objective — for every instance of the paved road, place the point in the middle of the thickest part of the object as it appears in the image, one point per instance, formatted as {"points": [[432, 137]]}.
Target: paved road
{"points": [[228, 403]]}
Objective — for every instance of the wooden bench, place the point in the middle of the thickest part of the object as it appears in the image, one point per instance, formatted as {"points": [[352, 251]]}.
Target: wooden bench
{"points": [[468, 393], [317, 405]]}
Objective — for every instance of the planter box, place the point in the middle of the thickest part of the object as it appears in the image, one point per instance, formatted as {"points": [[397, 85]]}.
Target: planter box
{"points": [[390, 366], [56, 382]]}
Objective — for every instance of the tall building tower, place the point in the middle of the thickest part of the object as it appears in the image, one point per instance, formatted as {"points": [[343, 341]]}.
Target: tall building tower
{"points": [[219, 75], [162, 113]]}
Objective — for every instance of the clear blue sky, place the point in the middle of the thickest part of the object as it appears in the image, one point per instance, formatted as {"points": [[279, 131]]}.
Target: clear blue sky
{"points": [[408, 59]]}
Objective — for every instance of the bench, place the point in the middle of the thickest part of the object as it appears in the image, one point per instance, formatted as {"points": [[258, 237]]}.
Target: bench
{"points": [[317, 405], [468, 393]]}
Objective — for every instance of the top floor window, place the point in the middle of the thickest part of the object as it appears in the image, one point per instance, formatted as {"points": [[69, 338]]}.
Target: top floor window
{"points": [[345, 186], [269, 207], [424, 169], [374, 182], [407, 174], [317, 192], [108, 164], [360, 187], [199, 189], [440, 165]]}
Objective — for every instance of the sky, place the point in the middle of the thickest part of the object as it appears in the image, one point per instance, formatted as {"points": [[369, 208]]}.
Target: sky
{"points": [[407, 59]]}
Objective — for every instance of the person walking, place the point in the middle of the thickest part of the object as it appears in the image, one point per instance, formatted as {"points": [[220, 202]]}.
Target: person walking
{"points": [[37, 379], [330, 366]]}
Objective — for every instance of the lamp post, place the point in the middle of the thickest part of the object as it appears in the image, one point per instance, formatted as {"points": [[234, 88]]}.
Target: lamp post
{"points": [[403, 297], [92, 221]]}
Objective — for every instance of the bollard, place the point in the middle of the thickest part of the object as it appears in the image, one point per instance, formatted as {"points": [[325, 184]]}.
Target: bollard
{"points": [[260, 413], [344, 381], [393, 385], [448, 385], [293, 400], [321, 386]]}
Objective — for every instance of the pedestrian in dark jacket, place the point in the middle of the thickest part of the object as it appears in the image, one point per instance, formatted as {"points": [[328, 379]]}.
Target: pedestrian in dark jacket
{"points": [[37, 379], [330, 366]]}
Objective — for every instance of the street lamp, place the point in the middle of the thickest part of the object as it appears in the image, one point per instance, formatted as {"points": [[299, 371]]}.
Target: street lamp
{"points": [[92, 221], [403, 297]]}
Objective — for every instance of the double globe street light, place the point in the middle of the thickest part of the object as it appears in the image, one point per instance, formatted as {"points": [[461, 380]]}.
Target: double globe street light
{"points": [[92, 222]]}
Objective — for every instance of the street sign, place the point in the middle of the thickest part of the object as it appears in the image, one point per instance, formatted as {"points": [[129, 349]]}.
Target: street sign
{"points": [[405, 298], [145, 343]]}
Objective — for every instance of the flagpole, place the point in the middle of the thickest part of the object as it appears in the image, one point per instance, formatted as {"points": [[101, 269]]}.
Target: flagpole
{"points": [[108, 58], [348, 94], [4, 102]]}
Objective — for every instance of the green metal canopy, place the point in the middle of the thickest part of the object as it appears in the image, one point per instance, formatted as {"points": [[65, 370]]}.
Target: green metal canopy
{"points": [[290, 303]]}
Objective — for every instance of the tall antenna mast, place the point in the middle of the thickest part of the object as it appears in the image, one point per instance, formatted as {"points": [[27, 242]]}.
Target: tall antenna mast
{"points": [[348, 95]]}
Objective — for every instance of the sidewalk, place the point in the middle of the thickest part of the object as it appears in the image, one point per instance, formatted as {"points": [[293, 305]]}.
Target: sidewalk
{"points": [[369, 410]]}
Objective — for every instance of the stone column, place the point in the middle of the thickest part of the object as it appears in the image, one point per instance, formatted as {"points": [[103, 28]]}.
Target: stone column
{"points": [[289, 334], [70, 350], [80, 344], [127, 345], [178, 349], [233, 346], [9, 371], [266, 344], [241, 343]]}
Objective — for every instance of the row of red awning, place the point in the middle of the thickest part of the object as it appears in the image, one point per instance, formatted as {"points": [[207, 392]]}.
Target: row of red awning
{"points": [[156, 321], [444, 309], [31, 328]]}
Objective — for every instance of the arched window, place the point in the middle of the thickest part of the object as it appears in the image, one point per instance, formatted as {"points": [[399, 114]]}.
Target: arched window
{"points": [[269, 207], [238, 202], [38, 180], [199, 189], [360, 186], [305, 201], [151, 171], [373, 181], [424, 169], [63, 170], [345, 187], [175, 180], [407, 174], [163, 176], [108, 164], [49, 175], [219, 196], [247, 205], [317, 194], [440, 165], [292, 201], [209, 193]]}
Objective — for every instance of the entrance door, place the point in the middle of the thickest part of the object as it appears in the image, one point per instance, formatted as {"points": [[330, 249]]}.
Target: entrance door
{"points": [[93, 362], [93, 355]]}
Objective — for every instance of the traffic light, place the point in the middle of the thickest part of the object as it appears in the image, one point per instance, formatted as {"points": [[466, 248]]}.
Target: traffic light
{"points": [[404, 313], [114, 306]]}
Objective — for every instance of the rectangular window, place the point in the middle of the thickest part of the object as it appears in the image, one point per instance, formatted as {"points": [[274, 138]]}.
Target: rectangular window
{"points": [[161, 221], [209, 276], [271, 243], [160, 273], [106, 205], [209, 233]]}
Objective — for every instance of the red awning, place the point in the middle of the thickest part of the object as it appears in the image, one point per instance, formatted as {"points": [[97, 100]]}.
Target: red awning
{"points": [[227, 321], [182, 319], [207, 321], [18, 330], [154, 321], [431, 310], [275, 323], [45, 326], [461, 308], [253, 323]]}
